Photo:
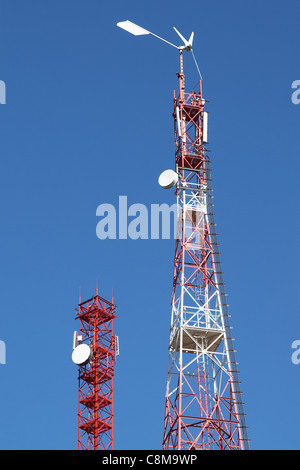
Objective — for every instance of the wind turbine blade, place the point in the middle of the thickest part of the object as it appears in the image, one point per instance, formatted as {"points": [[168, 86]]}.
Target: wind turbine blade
{"points": [[132, 28], [191, 39], [180, 35], [139, 31]]}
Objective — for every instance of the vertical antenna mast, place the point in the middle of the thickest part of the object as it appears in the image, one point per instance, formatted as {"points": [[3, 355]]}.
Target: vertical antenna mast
{"points": [[204, 409], [94, 352]]}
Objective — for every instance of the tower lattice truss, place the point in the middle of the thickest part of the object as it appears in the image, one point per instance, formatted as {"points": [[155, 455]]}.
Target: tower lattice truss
{"points": [[95, 396], [204, 408]]}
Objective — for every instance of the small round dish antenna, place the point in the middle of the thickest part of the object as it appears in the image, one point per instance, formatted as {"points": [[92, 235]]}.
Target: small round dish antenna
{"points": [[82, 354], [168, 179]]}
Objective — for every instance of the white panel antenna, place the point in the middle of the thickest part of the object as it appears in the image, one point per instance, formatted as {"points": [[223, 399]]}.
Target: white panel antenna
{"points": [[205, 127]]}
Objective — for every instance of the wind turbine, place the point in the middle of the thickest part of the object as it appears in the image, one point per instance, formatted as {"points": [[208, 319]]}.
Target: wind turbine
{"points": [[187, 44], [139, 31]]}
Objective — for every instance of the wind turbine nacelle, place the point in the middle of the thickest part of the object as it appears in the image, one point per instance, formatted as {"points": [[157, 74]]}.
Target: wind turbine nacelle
{"points": [[187, 44]]}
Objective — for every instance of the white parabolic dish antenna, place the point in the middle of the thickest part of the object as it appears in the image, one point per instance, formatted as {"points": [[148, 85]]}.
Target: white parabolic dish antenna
{"points": [[82, 354], [168, 179]]}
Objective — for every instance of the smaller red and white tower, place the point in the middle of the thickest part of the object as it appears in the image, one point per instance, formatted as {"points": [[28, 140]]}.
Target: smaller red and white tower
{"points": [[95, 348]]}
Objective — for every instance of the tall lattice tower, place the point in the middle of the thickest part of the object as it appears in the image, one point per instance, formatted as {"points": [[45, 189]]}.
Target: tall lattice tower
{"points": [[204, 408], [95, 349]]}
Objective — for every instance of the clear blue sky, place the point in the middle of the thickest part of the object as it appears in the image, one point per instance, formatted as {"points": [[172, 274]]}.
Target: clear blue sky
{"points": [[88, 118]]}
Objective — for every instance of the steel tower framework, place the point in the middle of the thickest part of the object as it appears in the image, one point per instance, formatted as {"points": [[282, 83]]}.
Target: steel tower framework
{"points": [[204, 408], [95, 379]]}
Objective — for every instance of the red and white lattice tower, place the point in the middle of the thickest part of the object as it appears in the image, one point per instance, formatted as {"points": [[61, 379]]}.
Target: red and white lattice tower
{"points": [[204, 408], [94, 350]]}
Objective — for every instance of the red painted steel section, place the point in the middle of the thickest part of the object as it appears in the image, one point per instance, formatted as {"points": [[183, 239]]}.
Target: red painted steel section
{"points": [[95, 379]]}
